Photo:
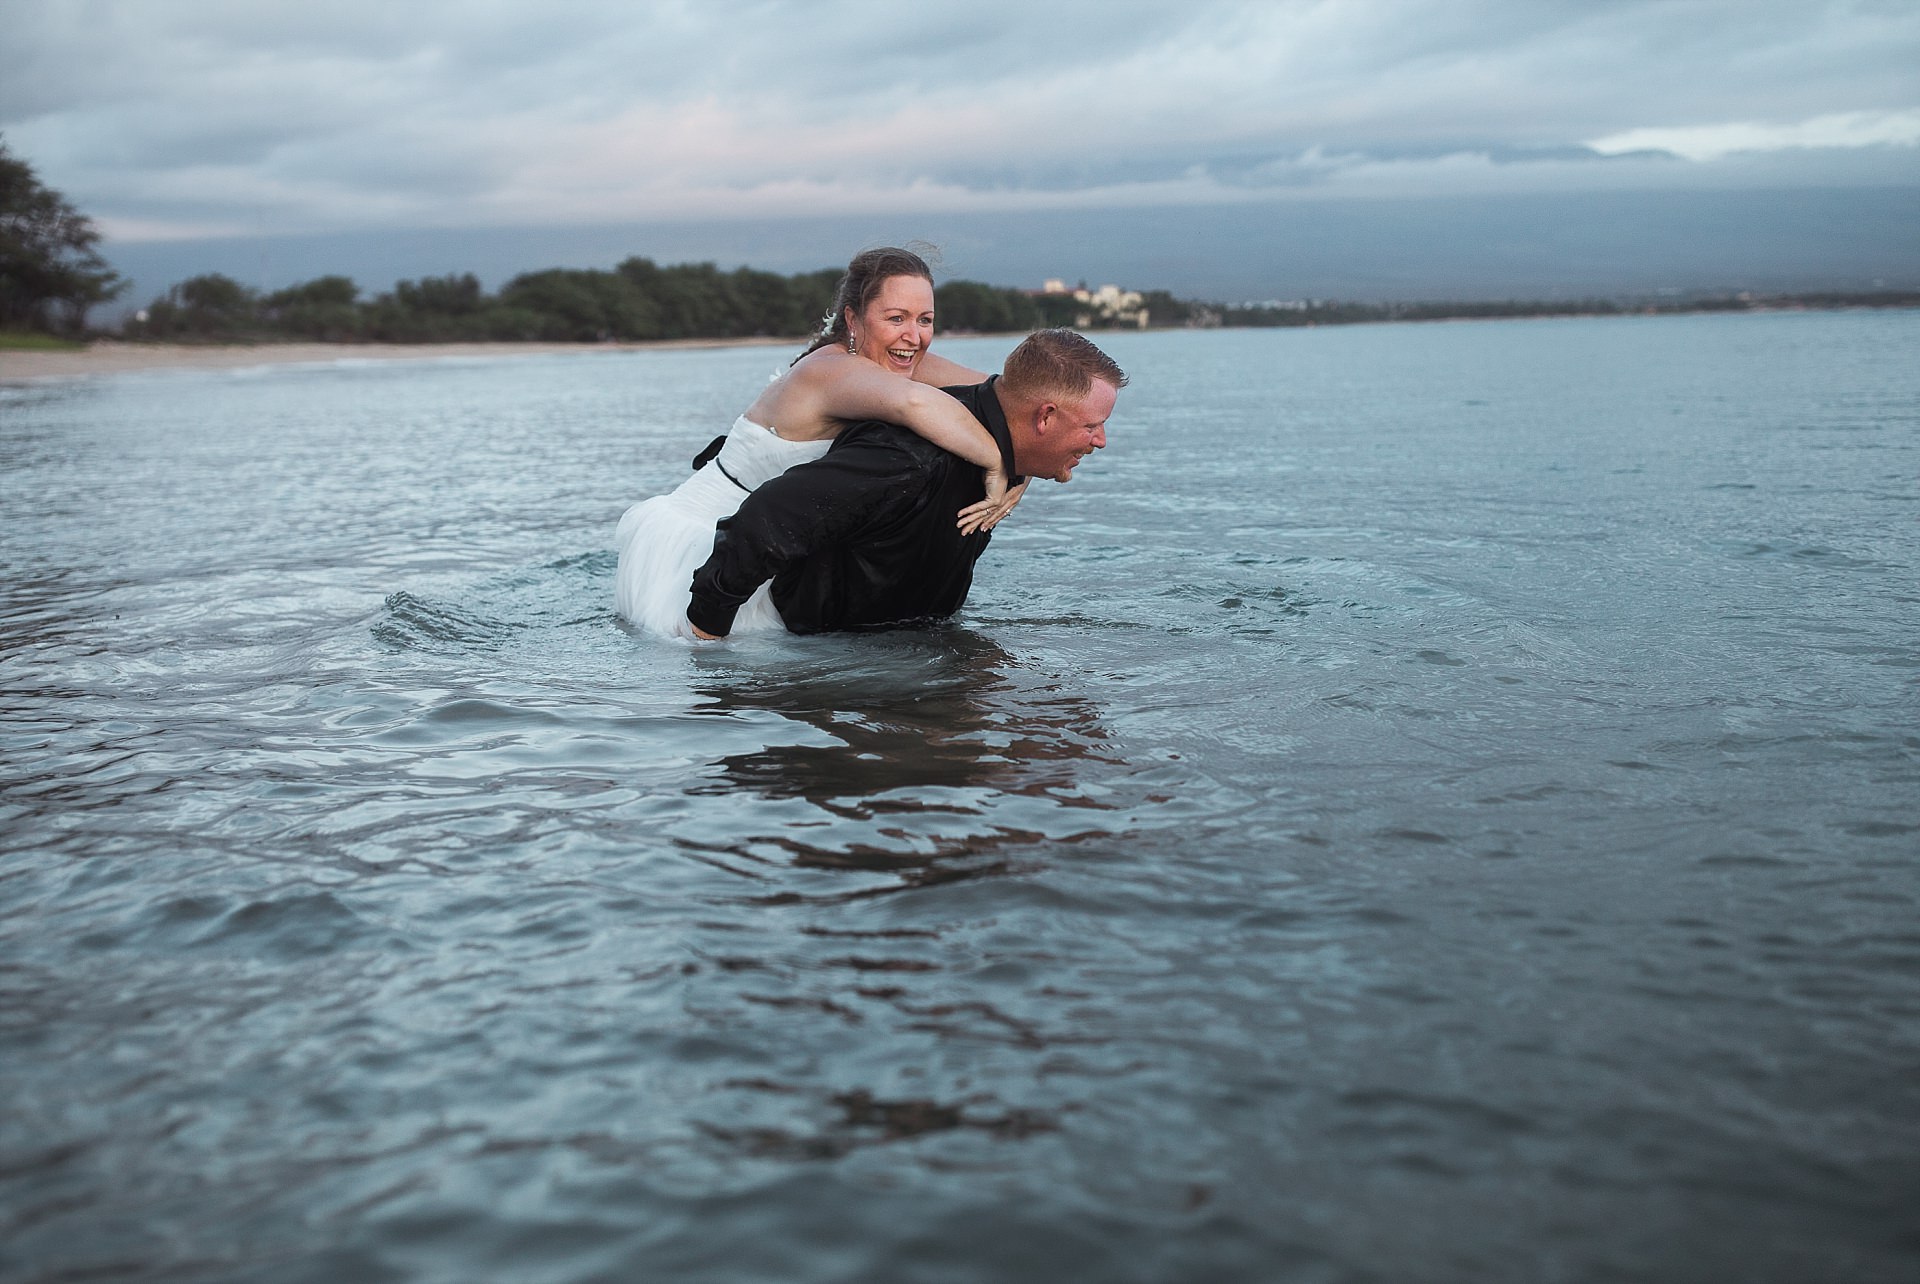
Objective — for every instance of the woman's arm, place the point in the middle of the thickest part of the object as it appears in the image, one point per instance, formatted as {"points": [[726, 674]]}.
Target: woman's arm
{"points": [[841, 386], [850, 387], [942, 373]]}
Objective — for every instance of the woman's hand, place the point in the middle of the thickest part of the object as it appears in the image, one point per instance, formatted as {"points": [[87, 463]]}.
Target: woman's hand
{"points": [[986, 514]]}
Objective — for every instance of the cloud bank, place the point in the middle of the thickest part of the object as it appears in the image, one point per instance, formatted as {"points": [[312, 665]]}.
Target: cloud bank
{"points": [[211, 118]]}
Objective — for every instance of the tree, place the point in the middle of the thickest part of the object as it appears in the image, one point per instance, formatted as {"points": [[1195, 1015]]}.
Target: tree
{"points": [[202, 307], [50, 273], [434, 309], [448, 295], [969, 305], [583, 306], [322, 291], [323, 308]]}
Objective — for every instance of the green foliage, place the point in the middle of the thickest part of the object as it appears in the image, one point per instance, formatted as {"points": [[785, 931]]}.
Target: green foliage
{"points": [[640, 300], [636, 301], [217, 297], [326, 291], [50, 273], [1165, 310], [698, 301], [203, 307], [813, 295], [323, 309], [581, 307], [963, 306], [36, 341], [434, 309], [453, 296]]}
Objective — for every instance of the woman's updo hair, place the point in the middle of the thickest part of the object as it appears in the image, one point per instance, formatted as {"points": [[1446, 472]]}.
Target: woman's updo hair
{"points": [[869, 270]]}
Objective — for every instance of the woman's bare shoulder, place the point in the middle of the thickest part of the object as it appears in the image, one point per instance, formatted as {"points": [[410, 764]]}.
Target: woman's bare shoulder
{"points": [[792, 405], [822, 363]]}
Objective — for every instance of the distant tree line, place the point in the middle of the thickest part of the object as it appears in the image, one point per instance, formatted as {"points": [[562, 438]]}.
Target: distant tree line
{"points": [[641, 300], [637, 300]]}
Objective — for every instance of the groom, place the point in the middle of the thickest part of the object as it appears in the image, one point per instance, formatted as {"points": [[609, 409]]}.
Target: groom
{"points": [[865, 537]]}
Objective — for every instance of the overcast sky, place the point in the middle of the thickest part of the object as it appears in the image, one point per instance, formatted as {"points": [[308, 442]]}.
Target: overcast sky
{"points": [[191, 119]]}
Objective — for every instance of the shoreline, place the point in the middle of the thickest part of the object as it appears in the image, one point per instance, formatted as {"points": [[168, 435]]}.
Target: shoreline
{"points": [[114, 356], [103, 357]]}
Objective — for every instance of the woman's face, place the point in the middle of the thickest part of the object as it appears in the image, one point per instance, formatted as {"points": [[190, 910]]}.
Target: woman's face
{"points": [[896, 326]]}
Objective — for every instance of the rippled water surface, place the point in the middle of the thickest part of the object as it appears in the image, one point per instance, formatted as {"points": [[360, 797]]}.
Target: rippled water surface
{"points": [[1428, 803]]}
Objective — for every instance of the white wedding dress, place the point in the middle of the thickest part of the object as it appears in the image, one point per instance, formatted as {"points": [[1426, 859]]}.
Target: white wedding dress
{"points": [[662, 541]]}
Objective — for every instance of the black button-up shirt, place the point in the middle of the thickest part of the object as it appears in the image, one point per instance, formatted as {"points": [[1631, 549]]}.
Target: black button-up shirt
{"points": [[862, 538]]}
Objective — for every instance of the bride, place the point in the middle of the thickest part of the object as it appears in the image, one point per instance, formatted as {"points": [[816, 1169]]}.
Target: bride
{"points": [[870, 362]]}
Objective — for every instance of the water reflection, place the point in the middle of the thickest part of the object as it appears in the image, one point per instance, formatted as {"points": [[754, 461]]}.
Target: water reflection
{"points": [[901, 767], [947, 708], [929, 754]]}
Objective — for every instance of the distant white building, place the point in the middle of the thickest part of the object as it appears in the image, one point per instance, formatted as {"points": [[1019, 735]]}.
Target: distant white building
{"points": [[1109, 304]]}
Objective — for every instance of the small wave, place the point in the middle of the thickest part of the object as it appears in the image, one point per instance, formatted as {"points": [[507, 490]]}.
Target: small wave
{"points": [[1812, 554], [598, 563], [298, 926], [1068, 620], [418, 624]]}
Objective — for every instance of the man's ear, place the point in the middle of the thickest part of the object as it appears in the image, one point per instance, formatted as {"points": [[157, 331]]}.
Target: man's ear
{"points": [[1043, 416]]}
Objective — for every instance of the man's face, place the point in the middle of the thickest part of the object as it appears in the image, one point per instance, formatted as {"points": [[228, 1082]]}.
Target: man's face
{"points": [[1068, 431]]}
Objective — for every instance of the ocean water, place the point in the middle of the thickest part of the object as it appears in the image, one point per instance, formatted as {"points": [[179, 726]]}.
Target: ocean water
{"points": [[1427, 803]]}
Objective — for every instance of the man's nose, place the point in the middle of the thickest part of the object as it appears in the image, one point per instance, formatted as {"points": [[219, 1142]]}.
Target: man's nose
{"points": [[1100, 438]]}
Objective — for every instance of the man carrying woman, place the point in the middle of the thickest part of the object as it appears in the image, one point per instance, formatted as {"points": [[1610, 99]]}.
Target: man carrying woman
{"points": [[870, 366]]}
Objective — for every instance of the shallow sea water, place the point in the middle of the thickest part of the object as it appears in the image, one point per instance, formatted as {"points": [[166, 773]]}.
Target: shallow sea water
{"points": [[1427, 803]]}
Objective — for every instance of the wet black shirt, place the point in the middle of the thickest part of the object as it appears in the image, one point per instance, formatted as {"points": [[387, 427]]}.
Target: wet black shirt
{"points": [[861, 538]]}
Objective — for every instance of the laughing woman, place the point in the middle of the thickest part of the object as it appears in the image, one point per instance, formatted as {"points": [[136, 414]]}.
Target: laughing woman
{"points": [[871, 362]]}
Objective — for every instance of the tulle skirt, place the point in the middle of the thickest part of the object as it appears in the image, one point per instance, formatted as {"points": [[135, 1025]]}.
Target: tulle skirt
{"points": [[662, 541]]}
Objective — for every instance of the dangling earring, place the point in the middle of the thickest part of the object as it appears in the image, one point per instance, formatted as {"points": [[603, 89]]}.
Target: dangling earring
{"points": [[852, 350]]}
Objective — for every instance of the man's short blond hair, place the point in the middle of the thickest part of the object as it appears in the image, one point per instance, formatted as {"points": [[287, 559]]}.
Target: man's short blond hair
{"points": [[1058, 365]]}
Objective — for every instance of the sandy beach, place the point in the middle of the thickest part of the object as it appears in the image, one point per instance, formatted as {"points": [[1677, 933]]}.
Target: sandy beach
{"points": [[108, 357]]}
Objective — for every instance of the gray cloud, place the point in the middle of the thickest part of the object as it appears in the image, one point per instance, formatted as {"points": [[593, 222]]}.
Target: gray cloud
{"points": [[206, 116]]}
